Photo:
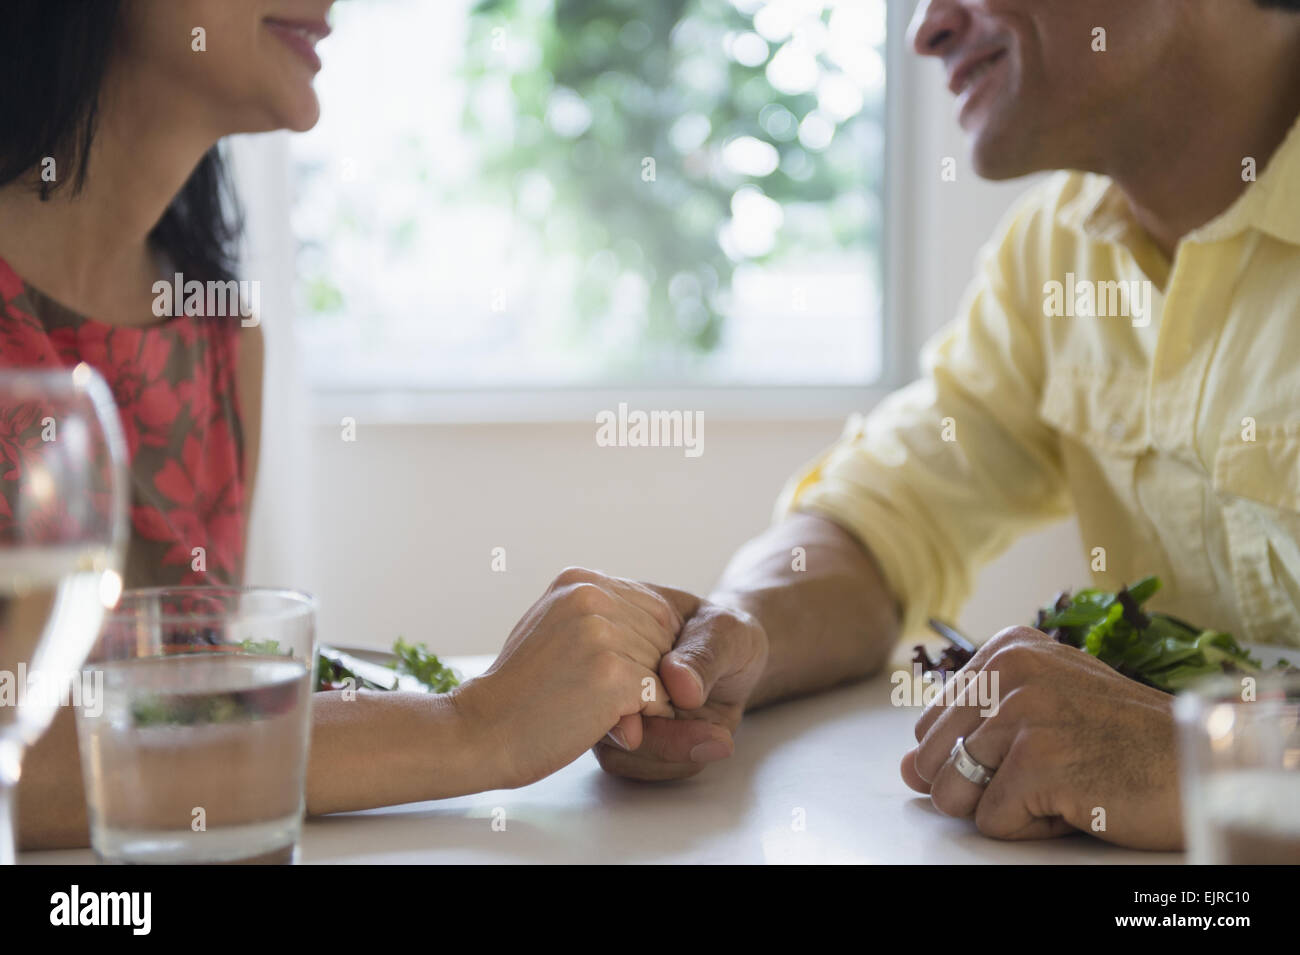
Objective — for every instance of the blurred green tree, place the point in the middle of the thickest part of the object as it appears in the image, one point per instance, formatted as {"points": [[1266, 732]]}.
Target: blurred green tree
{"points": [[672, 140]]}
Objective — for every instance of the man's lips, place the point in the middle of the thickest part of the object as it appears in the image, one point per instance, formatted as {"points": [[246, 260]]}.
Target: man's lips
{"points": [[969, 70], [301, 36]]}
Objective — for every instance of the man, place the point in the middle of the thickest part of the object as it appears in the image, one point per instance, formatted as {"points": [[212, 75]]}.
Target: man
{"points": [[1165, 420]]}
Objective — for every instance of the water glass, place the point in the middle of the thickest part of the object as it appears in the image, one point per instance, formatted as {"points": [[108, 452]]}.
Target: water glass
{"points": [[197, 750], [1239, 749]]}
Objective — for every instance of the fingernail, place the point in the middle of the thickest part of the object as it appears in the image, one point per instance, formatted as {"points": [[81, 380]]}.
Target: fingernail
{"points": [[712, 751], [696, 677], [620, 740]]}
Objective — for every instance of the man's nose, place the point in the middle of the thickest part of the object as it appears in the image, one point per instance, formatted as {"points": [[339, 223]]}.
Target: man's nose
{"points": [[936, 24]]}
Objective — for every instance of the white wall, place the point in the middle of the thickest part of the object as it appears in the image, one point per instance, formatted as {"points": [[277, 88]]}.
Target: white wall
{"points": [[278, 548], [400, 523]]}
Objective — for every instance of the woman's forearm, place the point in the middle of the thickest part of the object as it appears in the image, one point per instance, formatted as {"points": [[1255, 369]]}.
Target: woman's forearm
{"points": [[51, 798], [376, 749], [383, 749]]}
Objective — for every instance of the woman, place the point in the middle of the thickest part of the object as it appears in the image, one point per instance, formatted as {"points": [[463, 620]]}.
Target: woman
{"points": [[111, 181]]}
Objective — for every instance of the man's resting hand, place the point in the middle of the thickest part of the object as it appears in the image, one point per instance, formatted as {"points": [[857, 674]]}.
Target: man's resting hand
{"points": [[1073, 745]]}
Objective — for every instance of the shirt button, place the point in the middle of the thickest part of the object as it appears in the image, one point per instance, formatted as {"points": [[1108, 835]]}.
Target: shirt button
{"points": [[1116, 430]]}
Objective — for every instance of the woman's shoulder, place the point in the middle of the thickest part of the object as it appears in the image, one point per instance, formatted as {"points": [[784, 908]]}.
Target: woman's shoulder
{"points": [[15, 295], [11, 284], [24, 339]]}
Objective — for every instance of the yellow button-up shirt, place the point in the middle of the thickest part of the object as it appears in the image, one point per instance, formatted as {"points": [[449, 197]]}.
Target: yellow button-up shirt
{"points": [[1164, 414]]}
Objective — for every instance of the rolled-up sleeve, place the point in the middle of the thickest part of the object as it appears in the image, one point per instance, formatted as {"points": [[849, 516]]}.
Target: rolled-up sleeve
{"points": [[944, 474]]}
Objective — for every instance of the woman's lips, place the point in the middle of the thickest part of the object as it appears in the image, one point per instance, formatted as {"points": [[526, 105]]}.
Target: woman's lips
{"points": [[301, 37]]}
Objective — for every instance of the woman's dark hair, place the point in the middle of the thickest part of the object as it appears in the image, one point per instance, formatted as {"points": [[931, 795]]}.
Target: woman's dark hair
{"points": [[53, 58], [1281, 4]]}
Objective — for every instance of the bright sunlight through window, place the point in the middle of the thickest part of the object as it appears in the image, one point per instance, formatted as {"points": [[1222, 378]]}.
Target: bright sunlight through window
{"points": [[582, 193]]}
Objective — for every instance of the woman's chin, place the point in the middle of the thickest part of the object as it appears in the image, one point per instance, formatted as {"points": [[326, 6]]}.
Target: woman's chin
{"points": [[295, 116], [302, 116], [297, 112]]}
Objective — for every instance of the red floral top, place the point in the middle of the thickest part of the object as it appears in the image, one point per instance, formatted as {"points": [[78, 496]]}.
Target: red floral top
{"points": [[174, 384]]}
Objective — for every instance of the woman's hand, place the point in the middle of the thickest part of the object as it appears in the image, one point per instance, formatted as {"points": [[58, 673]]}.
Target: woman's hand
{"points": [[583, 662], [710, 676]]}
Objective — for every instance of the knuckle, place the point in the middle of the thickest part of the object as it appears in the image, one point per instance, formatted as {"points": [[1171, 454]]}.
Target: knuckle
{"points": [[586, 598], [722, 624], [664, 613], [1014, 660], [571, 576], [1011, 636], [701, 655], [741, 624], [1001, 639]]}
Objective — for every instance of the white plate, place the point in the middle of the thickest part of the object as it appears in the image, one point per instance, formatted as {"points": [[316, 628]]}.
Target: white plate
{"points": [[382, 657]]}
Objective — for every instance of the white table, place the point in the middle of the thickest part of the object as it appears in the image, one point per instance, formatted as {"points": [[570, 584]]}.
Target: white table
{"points": [[830, 760]]}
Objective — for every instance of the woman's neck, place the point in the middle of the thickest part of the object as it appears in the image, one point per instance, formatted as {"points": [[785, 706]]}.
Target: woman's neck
{"points": [[89, 250]]}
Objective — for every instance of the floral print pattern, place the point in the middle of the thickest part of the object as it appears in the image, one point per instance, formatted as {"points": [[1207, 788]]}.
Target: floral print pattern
{"points": [[175, 388]]}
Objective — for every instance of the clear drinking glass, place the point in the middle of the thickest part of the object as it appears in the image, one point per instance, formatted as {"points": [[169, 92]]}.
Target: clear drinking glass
{"points": [[63, 532], [1239, 743], [198, 753]]}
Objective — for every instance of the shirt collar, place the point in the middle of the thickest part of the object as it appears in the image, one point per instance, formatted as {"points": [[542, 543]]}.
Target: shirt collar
{"points": [[1098, 210], [1271, 204]]}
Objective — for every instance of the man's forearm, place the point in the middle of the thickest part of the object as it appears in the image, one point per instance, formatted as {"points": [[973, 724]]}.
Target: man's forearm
{"points": [[826, 609]]}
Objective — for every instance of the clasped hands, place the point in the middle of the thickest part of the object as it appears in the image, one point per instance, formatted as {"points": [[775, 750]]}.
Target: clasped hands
{"points": [[655, 679]]}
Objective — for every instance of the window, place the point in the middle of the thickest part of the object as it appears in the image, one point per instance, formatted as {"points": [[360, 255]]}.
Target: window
{"points": [[584, 193]]}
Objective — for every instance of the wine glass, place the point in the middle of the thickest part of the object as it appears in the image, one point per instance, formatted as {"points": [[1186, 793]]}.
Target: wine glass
{"points": [[63, 532]]}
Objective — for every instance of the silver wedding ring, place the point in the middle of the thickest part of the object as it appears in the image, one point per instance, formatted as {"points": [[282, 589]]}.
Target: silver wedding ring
{"points": [[968, 766]]}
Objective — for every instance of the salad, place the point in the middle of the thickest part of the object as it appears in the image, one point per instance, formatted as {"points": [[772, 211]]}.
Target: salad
{"points": [[412, 660], [1151, 647]]}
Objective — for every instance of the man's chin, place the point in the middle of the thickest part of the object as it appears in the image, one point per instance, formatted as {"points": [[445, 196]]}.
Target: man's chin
{"points": [[997, 170], [996, 159]]}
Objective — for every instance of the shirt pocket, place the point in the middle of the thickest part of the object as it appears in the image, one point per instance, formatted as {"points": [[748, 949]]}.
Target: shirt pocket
{"points": [[1258, 486], [1101, 411], [1146, 508]]}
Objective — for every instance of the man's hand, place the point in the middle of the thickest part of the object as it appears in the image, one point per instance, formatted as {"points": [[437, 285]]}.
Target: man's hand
{"points": [[709, 675], [774, 629], [1073, 745]]}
